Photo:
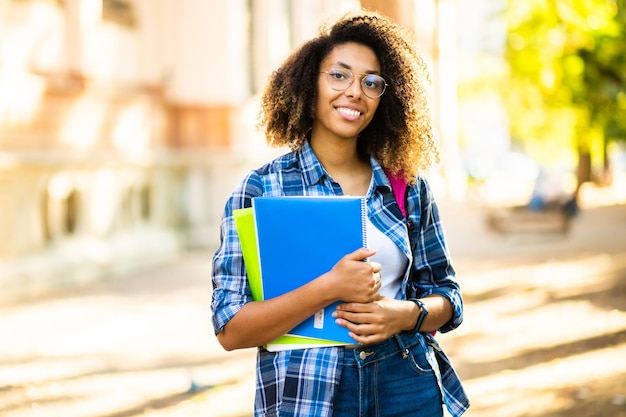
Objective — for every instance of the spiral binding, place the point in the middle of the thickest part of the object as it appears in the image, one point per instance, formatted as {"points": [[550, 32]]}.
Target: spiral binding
{"points": [[364, 221]]}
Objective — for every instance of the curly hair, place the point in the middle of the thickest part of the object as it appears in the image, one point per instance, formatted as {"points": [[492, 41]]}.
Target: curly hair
{"points": [[400, 133]]}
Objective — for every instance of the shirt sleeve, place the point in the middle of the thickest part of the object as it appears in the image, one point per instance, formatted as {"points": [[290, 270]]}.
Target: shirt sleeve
{"points": [[432, 271], [230, 284]]}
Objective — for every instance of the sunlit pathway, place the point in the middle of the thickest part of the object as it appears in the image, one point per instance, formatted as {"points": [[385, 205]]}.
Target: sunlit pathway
{"points": [[544, 334], [543, 339], [123, 349]]}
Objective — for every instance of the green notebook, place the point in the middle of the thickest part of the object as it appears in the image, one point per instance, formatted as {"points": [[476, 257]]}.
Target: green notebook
{"points": [[244, 222]]}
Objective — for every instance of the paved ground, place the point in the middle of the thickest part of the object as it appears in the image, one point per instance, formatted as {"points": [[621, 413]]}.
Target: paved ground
{"points": [[544, 335], [545, 329]]}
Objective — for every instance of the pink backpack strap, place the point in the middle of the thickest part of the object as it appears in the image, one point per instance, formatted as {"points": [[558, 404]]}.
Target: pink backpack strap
{"points": [[398, 185]]}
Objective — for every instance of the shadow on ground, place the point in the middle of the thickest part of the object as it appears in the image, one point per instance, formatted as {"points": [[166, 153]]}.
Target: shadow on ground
{"points": [[545, 322]]}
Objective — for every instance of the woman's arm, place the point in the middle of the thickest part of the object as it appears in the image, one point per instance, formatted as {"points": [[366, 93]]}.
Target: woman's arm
{"points": [[260, 322]]}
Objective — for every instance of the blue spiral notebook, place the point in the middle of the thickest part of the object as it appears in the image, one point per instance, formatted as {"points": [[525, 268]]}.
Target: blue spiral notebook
{"points": [[246, 230], [301, 238]]}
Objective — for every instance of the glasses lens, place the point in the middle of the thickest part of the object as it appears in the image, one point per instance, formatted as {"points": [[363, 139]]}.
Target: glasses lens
{"points": [[340, 79], [373, 85]]}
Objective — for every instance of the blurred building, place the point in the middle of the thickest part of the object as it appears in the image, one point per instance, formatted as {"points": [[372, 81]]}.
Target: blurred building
{"points": [[124, 124]]}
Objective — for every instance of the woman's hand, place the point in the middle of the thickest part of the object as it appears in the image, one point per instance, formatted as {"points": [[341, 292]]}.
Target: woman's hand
{"points": [[354, 280], [379, 320], [376, 321]]}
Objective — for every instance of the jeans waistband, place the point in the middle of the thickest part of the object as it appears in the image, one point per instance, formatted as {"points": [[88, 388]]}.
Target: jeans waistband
{"points": [[377, 351]]}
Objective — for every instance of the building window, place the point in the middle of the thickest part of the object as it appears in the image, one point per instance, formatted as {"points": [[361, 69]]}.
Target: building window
{"points": [[118, 11]]}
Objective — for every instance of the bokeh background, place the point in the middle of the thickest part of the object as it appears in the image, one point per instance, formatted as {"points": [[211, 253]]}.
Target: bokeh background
{"points": [[125, 124]]}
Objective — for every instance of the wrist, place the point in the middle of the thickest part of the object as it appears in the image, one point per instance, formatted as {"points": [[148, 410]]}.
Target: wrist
{"points": [[422, 313]]}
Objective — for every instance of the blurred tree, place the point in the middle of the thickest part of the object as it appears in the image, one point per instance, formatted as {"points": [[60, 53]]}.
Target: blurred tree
{"points": [[567, 84]]}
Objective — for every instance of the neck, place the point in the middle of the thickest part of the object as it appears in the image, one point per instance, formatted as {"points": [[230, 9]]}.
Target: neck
{"points": [[337, 156], [342, 162]]}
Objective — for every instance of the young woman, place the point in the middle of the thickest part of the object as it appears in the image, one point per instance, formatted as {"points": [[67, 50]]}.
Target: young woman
{"points": [[351, 104]]}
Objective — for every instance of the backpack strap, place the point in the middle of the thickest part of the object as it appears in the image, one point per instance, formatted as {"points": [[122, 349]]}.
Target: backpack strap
{"points": [[398, 186]]}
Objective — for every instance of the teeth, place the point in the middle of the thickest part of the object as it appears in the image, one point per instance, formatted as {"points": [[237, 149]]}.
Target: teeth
{"points": [[349, 112]]}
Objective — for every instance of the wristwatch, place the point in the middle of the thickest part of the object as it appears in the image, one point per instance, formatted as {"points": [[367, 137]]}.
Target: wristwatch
{"points": [[420, 318]]}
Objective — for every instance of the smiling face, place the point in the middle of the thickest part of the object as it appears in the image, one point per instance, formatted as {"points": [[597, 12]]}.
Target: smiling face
{"points": [[344, 114]]}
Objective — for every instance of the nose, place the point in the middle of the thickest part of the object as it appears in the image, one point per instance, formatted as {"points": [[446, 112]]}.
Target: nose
{"points": [[355, 89]]}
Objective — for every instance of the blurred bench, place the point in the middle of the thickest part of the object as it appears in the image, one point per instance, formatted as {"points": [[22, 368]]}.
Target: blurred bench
{"points": [[522, 219]]}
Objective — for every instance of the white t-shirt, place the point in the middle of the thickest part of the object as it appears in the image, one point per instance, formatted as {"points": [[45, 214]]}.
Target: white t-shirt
{"points": [[391, 258]]}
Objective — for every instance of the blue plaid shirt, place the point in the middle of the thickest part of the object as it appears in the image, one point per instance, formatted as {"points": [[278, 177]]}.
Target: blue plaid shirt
{"points": [[302, 382]]}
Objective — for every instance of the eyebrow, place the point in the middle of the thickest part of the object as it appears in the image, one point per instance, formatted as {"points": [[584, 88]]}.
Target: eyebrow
{"points": [[346, 66]]}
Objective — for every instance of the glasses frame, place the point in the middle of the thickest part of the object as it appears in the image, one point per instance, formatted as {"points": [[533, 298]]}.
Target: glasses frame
{"points": [[329, 73]]}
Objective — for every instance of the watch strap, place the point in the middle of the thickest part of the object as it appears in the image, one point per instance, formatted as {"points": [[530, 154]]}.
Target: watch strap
{"points": [[420, 318]]}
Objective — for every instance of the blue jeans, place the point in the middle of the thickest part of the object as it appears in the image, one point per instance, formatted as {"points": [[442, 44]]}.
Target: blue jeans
{"points": [[393, 378]]}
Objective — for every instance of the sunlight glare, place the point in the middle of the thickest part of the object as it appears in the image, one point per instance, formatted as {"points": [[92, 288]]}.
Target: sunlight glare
{"points": [[20, 97], [83, 124], [131, 133]]}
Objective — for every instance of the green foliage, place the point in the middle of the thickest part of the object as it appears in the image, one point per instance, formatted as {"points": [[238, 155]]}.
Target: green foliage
{"points": [[567, 72]]}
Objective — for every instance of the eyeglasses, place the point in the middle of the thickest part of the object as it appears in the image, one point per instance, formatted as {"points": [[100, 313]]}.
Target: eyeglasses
{"points": [[340, 79]]}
